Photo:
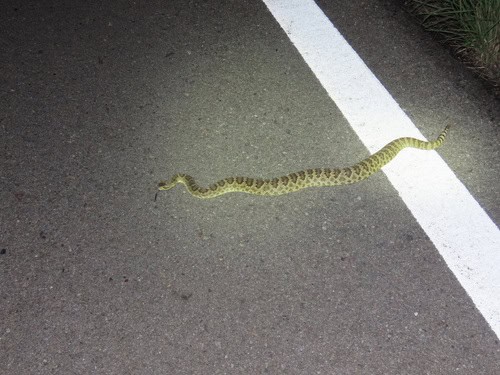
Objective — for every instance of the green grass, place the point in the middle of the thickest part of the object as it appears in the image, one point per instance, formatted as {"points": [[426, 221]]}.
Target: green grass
{"points": [[471, 27]]}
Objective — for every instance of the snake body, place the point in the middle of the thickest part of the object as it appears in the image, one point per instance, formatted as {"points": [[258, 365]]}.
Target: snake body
{"points": [[304, 178]]}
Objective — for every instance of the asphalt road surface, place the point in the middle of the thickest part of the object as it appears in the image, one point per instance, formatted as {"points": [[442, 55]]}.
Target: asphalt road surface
{"points": [[101, 100]]}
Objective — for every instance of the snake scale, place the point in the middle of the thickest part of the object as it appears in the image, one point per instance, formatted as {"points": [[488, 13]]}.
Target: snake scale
{"points": [[305, 178]]}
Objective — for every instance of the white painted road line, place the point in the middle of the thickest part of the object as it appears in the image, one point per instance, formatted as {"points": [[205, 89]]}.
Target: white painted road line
{"points": [[462, 232]]}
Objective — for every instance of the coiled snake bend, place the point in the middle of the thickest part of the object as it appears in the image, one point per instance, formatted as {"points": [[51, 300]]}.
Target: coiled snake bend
{"points": [[305, 178]]}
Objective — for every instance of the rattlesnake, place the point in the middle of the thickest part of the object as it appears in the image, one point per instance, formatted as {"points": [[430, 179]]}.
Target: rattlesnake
{"points": [[305, 178]]}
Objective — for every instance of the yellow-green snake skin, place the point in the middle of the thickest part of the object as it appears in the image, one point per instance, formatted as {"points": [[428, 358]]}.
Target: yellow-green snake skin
{"points": [[305, 178]]}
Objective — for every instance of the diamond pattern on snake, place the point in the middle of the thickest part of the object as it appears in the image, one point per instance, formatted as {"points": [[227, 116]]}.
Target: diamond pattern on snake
{"points": [[306, 178]]}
